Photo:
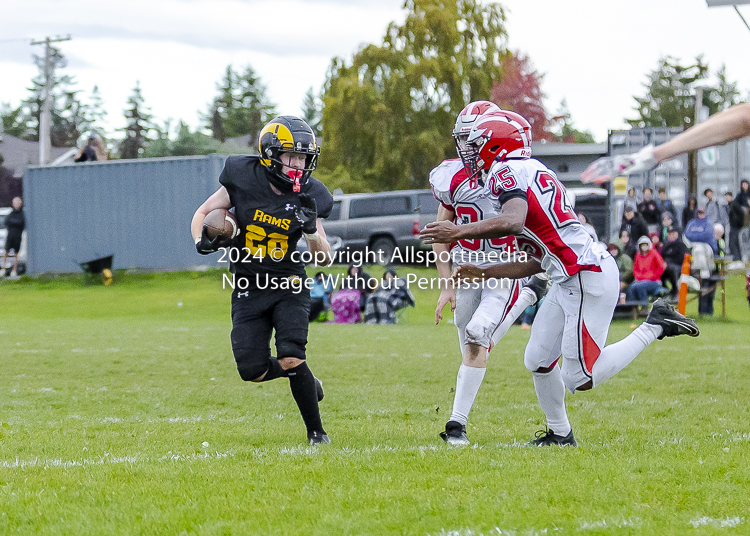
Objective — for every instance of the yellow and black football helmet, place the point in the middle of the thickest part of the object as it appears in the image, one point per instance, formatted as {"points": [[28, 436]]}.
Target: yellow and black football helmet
{"points": [[288, 134]]}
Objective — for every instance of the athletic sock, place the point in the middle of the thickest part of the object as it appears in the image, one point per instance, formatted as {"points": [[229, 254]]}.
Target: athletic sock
{"points": [[274, 370], [550, 391], [467, 386], [618, 355], [525, 298], [302, 384]]}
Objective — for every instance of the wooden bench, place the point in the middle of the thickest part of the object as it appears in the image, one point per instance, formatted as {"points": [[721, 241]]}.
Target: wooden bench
{"points": [[631, 309]]}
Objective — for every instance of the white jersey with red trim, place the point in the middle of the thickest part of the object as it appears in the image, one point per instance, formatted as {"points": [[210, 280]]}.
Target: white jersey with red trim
{"points": [[450, 185], [550, 221]]}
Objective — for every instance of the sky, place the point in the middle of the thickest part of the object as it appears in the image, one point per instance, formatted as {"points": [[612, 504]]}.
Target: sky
{"points": [[595, 54]]}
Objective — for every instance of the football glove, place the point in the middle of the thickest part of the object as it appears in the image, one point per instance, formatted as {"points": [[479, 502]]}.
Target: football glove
{"points": [[206, 245], [605, 169], [307, 214]]}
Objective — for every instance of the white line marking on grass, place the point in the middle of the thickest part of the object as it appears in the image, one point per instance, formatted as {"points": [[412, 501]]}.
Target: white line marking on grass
{"points": [[107, 459], [613, 523], [727, 522]]}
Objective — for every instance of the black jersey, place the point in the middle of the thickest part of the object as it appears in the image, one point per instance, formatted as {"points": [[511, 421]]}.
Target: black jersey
{"points": [[269, 230]]}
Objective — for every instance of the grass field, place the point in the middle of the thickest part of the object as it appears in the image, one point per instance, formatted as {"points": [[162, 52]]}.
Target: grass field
{"points": [[122, 413]]}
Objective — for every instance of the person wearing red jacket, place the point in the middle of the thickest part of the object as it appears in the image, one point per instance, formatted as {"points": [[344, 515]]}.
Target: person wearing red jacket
{"points": [[648, 266]]}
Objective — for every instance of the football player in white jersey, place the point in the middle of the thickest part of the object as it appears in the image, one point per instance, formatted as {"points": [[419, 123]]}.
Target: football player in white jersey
{"points": [[482, 314], [574, 319]]}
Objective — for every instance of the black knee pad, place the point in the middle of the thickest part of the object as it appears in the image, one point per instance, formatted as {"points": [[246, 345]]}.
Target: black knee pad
{"points": [[251, 363]]}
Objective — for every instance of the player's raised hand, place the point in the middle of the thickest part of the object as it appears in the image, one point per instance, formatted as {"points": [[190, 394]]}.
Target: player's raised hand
{"points": [[307, 214], [605, 169], [468, 271], [438, 232], [447, 295]]}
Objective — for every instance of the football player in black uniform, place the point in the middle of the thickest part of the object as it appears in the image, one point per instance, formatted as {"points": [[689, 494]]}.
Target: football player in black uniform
{"points": [[275, 201]]}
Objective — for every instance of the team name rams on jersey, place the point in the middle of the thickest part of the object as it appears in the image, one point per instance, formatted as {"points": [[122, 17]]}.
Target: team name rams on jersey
{"points": [[267, 218]]}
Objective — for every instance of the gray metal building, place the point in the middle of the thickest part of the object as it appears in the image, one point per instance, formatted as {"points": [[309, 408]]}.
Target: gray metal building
{"points": [[137, 210]]}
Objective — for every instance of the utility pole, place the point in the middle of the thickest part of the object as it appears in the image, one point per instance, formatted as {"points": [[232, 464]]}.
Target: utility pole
{"points": [[44, 117]]}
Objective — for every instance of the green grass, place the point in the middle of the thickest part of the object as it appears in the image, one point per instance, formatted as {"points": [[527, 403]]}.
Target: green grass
{"points": [[109, 395]]}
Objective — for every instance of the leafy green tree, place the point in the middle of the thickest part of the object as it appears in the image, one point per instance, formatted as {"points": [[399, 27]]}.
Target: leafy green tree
{"points": [[670, 94], [241, 107], [389, 112], [139, 128], [311, 111]]}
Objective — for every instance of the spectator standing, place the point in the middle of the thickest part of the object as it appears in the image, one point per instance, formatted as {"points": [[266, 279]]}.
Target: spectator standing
{"points": [[736, 220], [634, 224], [650, 210], [673, 253], [743, 197], [631, 200], [648, 267], [15, 223], [688, 213], [713, 212], [664, 204], [88, 153], [701, 229]]}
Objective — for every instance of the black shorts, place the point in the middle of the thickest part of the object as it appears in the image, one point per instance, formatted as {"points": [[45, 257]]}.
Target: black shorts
{"points": [[12, 243], [256, 313]]}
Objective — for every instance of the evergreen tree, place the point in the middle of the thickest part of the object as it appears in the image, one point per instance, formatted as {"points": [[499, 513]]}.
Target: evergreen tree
{"points": [[241, 107], [12, 121], [96, 114], [567, 133], [138, 131]]}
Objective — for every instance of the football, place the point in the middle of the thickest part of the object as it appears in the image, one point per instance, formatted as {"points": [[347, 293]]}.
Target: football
{"points": [[222, 223]]}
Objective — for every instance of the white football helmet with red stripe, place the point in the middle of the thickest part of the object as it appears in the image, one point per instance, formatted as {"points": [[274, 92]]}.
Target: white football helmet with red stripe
{"points": [[469, 115], [495, 135]]}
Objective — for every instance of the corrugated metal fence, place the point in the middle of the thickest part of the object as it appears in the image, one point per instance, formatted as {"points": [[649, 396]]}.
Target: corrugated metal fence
{"points": [[137, 210]]}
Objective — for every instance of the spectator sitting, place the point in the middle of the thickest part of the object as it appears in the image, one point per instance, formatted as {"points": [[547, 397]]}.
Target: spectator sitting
{"points": [[688, 213], [664, 204], [673, 253], [667, 221], [634, 224], [649, 210], [721, 246], [701, 229], [627, 246], [356, 279], [391, 296], [648, 267], [320, 296], [655, 241], [624, 263], [587, 225]]}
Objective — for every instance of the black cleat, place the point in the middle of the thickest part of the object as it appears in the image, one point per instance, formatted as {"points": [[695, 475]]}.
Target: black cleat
{"points": [[455, 434], [546, 438], [538, 285], [319, 389], [318, 437], [672, 323]]}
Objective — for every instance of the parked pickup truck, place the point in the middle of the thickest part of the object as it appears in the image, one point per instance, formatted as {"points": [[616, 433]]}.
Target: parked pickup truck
{"points": [[383, 221]]}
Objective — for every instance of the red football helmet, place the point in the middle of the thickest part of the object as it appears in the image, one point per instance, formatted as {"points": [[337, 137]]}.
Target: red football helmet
{"points": [[497, 135], [468, 115]]}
